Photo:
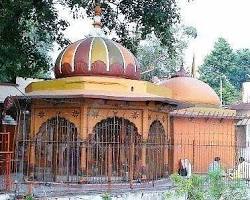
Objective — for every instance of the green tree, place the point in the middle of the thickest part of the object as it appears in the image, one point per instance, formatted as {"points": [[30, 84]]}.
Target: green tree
{"points": [[154, 58], [28, 29], [133, 20], [241, 71], [220, 65]]}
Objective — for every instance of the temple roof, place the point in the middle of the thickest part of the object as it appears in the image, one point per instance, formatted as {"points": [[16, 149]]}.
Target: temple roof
{"points": [[191, 90], [102, 88], [241, 106], [96, 56], [205, 112]]}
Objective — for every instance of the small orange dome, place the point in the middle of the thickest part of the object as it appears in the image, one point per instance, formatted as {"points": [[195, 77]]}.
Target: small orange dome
{"points": [[191, 90]]}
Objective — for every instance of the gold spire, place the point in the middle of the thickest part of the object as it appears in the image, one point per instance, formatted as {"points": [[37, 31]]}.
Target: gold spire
{"points": [[193, 71], [97, 18], [96, 30], [181, 73]]}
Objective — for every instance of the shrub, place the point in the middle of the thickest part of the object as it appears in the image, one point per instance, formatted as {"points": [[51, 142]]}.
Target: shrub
{"points": [[236, 190], [191, 187], [216, 185], [106, 196], [29, 197], [211, 187]]}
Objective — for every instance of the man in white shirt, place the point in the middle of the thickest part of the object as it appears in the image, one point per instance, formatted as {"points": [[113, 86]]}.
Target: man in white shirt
{"points": [[185, 168], [188, 167], [215, 165], [243, 170]]}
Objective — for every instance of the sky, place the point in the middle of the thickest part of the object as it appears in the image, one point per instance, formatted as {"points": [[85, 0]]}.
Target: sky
{"points": [[211, 18]]}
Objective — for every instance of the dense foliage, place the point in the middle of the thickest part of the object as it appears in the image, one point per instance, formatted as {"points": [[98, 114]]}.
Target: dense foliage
{"points": [[229, 65], [27, 31], [133, 20], [29, 28], [155, 59], [211, 187]]}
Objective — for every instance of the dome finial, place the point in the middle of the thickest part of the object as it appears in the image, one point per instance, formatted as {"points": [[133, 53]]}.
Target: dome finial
{"points": [[181, 73], [97, 18], [193, 69], [97, 31]]}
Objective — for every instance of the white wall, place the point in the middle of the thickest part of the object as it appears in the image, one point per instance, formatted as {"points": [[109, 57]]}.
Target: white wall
{"points": [[8, 90], [24, 82], [12, 90], [246, 92]]}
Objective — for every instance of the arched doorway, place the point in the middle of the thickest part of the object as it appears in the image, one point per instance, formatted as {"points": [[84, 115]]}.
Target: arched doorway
{"points": [[155, 151], [115, 152], [57, 151]]}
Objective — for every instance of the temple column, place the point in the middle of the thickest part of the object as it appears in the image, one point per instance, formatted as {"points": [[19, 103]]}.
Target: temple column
{"points": [[109, 163], [166, 143], [145, 129], [143, 159], [88, 161], [31, 153], [122, 152], [171, 148], [83, 136], [32, 161], [131, 164], [165, 155], [83, 159]]}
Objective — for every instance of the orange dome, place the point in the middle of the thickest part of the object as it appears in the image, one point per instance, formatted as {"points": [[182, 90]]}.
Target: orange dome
{"points": [[191, 90]]}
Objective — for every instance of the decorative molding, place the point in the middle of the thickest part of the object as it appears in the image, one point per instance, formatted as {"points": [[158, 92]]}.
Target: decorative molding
{"points": [[149, 117], [75, 113], [163, 119], [115, 112], [166, 108], [93, 113], [121, 104], [135, 114], [41, 114]]}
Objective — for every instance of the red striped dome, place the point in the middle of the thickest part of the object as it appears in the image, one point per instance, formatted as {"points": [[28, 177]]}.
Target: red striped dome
{"points": [[96, 56]]}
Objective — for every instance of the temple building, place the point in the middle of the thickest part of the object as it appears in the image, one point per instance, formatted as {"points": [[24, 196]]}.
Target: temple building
{"points": [[97, 122], [203, 131], [97, 119]]}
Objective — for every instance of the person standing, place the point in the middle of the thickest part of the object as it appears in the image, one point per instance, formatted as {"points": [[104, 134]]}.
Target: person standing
{"points": [[243, 170], [188, 167], [185, 168], [215, 165]]}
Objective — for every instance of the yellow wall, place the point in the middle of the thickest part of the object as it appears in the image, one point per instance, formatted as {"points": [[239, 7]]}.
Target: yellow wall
{"points": [[93, 83]]}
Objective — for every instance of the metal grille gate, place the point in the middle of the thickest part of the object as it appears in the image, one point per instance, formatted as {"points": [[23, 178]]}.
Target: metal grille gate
{"points": [[5, 161], [156, 150], [57, 151], [115, 152]]}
